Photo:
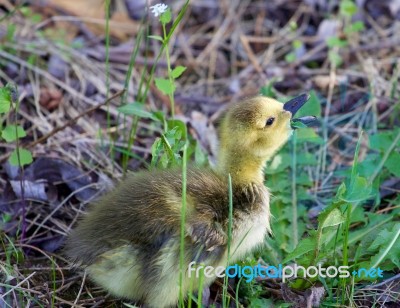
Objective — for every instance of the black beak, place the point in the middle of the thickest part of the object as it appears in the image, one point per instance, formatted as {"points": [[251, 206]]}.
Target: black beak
{"points": [[294, 105], [309, 121]]}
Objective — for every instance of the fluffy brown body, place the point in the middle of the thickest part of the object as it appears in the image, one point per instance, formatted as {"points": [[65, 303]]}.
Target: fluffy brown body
{"points": [[129, 240]]}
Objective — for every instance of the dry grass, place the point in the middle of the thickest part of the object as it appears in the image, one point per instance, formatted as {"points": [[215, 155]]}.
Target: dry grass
{"points": [[231, 50]]}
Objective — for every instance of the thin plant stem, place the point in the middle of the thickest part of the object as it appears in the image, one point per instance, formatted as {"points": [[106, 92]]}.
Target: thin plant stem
{"points": [[349, 210], [107, 72], [294, 192], [183, 222], [132, 131], [230, 218], [171, 79]]}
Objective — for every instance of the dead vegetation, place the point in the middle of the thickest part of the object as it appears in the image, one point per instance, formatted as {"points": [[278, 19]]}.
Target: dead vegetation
{"points": [[55, 52]]}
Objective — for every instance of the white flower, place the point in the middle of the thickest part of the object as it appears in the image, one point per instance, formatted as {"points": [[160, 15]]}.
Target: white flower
{"points": [[158, 9]]}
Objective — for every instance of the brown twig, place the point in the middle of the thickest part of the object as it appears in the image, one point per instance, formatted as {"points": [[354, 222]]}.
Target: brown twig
{"points": [[72, 121], [69, 123]]}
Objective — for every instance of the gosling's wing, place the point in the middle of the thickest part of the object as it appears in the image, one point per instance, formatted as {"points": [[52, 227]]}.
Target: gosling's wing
{"points": [[207, 234], [145, 211], [207, 203]]}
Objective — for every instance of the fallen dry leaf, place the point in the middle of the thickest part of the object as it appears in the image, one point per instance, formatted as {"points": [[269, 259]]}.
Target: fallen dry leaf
{"points": [[92, 12]]}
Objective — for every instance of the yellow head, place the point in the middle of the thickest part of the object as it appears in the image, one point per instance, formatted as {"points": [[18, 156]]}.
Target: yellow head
{"points": [[251, 133]]}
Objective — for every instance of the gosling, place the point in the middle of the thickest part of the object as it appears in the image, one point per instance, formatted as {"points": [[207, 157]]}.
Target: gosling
{"points": [[129, 241]]}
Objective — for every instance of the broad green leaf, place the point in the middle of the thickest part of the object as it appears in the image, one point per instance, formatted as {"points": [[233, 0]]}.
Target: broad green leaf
{"points": [[311, 108], [159, 115], [387, 242], [137, 109], [268, 90], [354, 27], [334, 41], [376, 223], [166, 16], [279, 163], [383, 140], [308, 134], [25, 157], [290, 57], [358, 215], [5, 100], [359, 191], [341, 191], [381, 239], [165, 85], [305, 245], [305, 158], [334, 218], [393, 163], [177, 126], [303, 178], [10, 133], [347, 8], [178, 71]]}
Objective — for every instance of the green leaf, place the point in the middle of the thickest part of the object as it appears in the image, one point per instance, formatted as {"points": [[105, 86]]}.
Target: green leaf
{"points": [[392, 163], [137, 109], [10, 133], [24, 155], [260, 302], [166, 16], [382, 141], [268, 90], [11, 32], [179, 127], [305, 158], [359, 190], [279, 163], [5, 100], [388, 243], [308, 134], [36, 18], [335, 58], [297, 44], [156, 37], [347, 8], [311, 108], [159, 115], [305, 245], [334, 41], [200, 157], [290, 57], [297, 124], [358, 215], [375, 224], [165, 86], [334, 218], [177, 71], [155, 151], [341, 191], [6, 217], [354, 27]]}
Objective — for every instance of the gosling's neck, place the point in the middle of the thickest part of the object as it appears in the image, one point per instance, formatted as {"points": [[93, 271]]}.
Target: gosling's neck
{"points": [[244, 169]]}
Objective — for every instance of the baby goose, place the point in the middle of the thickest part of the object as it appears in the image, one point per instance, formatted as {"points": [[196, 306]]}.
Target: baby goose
{"points": [[129, 240]]}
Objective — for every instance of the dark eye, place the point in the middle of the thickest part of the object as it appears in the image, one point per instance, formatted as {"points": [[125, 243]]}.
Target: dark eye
{"points": [[269, 121]]}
